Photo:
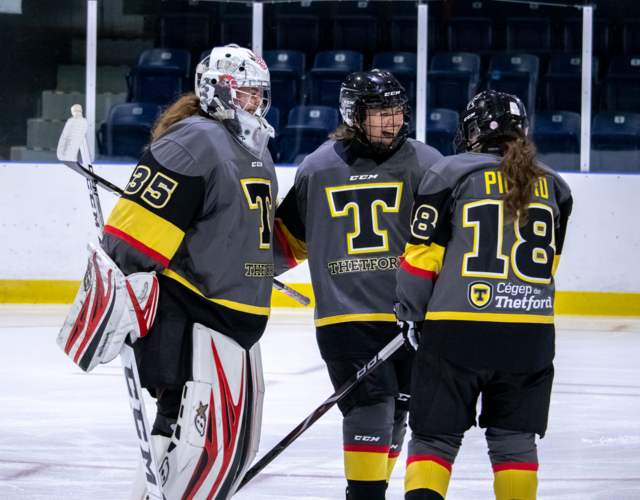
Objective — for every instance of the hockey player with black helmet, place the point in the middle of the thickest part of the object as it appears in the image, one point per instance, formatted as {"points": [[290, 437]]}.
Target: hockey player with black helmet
{"points": [[477, 281], [197, 211], [346, 214]]}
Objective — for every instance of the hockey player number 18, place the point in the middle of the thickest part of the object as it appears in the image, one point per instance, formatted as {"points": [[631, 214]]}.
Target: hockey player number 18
{"points": [[532, 254]]}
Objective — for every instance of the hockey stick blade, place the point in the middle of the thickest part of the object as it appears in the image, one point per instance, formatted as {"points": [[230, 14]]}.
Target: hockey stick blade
{"points": [[367, 369], [290, 292]]}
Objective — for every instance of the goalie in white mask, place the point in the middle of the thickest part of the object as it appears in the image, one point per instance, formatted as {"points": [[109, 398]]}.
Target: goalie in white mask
{"points": [[199, 213]]}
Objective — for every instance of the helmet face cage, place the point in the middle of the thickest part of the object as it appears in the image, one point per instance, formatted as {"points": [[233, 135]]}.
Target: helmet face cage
{"points": [[375, 105], [244, 73], [382, 126], [489, 116]]}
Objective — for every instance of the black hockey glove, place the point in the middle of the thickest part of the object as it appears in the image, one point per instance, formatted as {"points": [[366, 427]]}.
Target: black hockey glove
{"points": [[411, 332]]}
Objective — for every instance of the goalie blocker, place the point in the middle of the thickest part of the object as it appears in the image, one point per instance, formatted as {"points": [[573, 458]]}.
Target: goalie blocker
{"points": [[107, 308], [217, 433]]}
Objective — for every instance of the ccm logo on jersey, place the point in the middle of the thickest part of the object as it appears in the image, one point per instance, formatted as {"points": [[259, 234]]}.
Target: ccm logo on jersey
{"points": [[256, 163], [362, 177], [367, 438], [391, 93]]}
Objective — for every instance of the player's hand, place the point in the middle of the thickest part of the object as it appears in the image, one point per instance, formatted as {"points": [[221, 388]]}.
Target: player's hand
{"points": [[411, 332]]}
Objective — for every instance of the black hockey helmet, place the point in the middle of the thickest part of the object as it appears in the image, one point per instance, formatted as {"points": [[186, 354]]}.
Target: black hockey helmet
{"points": [[489, 116], [375, 90]]}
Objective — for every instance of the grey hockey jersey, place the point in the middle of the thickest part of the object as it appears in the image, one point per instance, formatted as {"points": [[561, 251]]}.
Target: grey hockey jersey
{"points": [[348, 215], [484, 284], [199, 210]]}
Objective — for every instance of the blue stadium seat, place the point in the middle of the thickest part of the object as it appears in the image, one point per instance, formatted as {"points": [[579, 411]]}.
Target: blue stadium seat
{"points": [[556, 131], [301, 32], [403, 65], [330, 68], [631, 36], [528, 34], [572, 36], [515, 74], [403, 33], [159, 76], [615, 142], [236, 28], [128, 129], [562, 85], [470, 34], [453, 79], [273, 117], [621, 87], [186, 30], [441, 128], [286, 68], [557, 138], [308, 127], [358, 33]]}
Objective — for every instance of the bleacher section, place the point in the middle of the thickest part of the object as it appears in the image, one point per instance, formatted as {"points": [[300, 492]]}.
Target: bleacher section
{"points": [[533, 51]]}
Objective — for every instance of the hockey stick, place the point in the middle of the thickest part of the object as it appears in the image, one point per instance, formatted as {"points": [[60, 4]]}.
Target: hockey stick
{"points": [[384, 354], [74, 138]]}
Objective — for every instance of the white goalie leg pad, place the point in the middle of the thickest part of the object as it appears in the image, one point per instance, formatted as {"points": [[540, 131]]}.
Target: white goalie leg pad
{"points": [[215, 434], [107, 308]]}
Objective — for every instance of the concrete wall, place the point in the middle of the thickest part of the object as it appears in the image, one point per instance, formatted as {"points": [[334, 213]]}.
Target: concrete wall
{"points": [[46, 222]]}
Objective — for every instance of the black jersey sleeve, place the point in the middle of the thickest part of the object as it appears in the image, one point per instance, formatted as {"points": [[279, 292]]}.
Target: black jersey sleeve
{"points": [[289, 241], [149, 222], [424, 252]]}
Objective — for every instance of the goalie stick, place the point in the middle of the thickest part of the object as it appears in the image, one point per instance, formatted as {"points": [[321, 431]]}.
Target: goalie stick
{"points": [[74, 139], [384, 354]]}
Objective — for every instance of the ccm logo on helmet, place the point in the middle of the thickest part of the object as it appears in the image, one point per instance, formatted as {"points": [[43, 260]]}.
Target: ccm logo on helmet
{"points": [[362, 177], [391, 93]]}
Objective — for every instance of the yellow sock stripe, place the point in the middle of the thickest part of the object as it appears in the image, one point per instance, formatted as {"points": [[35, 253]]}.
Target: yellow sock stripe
{"points": [[515, 484], [366, 465], [391, 463], [427, 472]]}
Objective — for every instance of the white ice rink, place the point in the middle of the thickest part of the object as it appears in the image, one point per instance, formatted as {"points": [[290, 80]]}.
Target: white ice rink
{"points": [[69, 435]]}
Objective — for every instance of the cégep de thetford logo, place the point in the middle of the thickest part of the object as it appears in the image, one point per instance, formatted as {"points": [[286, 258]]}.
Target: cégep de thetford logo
{"points": [[480, 294], [201, 418]]}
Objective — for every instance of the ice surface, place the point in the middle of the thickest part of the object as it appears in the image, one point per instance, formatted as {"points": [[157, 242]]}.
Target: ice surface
{"points": [[65, 434]]}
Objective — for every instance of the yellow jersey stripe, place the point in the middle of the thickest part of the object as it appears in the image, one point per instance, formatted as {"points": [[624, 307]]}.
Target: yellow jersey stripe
{"points": [[425, 257], [237, 306], [332, 320], [146, 227], [491, 317], [556, 261]]}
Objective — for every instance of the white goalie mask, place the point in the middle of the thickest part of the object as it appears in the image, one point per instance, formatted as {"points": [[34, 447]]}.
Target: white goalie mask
{"points": [[234, 87]]}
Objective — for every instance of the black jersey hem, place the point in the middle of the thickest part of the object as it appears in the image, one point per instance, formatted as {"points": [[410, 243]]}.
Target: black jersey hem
{"points": [[354, 339], [245, 328], [485, 345]]}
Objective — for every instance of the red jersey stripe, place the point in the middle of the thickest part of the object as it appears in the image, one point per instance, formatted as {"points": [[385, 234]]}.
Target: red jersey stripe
{"points": [[149, 252], [429, 458], [417, 271], [515, 466], [282, 239]]}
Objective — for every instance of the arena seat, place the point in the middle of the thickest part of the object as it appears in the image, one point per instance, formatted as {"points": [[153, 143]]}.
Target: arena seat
{"points": [[160, 76], [308, 127], [330, 68], [615, 139], [441, 128], [403, 65], [453, 79], [470, 34], [562, 85], [515, 74], [128, 129], [621, 84], [286, 68]]}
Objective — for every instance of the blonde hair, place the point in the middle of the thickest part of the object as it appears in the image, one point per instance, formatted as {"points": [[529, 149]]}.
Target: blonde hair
{"points": [[343, 132], [186, 106]]}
